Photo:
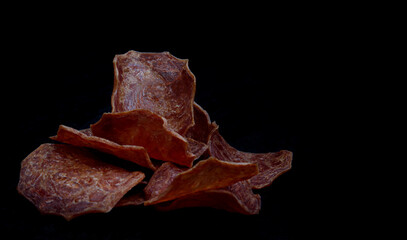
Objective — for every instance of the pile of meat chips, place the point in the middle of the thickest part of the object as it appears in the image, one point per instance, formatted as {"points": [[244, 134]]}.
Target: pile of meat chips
{"points": [[156, 124]]}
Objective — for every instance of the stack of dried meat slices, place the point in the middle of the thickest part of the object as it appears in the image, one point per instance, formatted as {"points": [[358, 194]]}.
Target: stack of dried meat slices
{"points": [[154, 117]]}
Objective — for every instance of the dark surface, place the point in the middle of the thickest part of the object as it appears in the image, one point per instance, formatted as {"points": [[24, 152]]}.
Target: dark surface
{"points": [[268, 93]]}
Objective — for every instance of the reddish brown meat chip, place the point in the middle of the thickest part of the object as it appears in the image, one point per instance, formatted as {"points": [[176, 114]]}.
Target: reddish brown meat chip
{"points": [[237, 197], [132, 200], [158, 82], [146, 129], [135, 197], [85, 138], [170, 182], [203, 126], [71, 181], [271, 165]]}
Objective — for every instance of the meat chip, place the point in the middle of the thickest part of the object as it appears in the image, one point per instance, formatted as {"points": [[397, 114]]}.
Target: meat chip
{"points": [[85, 138], [135, 197], [237, 197], [170, 182], [203, 127], [71, 181], [271, 165], [158, 82], [149, 130]]}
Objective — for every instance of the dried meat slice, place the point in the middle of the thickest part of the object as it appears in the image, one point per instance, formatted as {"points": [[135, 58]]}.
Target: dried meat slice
{"points": [[170, 182], [203, 126], [84, 138], [71, 181], [237, 197], [144, 128], [196, 148], [135, 197], [158, 82], [271, 165]]}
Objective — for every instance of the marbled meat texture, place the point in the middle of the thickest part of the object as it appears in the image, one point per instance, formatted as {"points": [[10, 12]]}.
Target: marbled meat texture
{"points": [[71, 181], [158, 82]]}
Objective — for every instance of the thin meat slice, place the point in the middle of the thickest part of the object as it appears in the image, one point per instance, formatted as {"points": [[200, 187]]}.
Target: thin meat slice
{"points": [[237, 197], [170, 182], [84, 138], [135, 197], [271, 165], [203, 126], [70, 181], [158, 82], [147, 129], [196, 148]]}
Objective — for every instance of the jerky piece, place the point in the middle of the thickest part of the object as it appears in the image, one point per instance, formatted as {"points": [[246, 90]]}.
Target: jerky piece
{"points": [[132, 200], [196, 148], [203, 126], [271, 165], [71, 181], [144, 128], [170, 182], [158, 82], [237, 197], [135, 197], [84, 138]]}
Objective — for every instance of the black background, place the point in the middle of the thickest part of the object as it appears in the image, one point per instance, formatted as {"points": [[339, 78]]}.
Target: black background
{"points": [[269, 87]]}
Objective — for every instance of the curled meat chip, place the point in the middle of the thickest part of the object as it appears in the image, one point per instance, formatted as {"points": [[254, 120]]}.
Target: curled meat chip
{"points": [[203, 126], [158, 82], [271, 165], [170, 182], [85, 138], [196, 148], [144, 128], [71, 181], [132, 200], [237, 197], [134, 197]]}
